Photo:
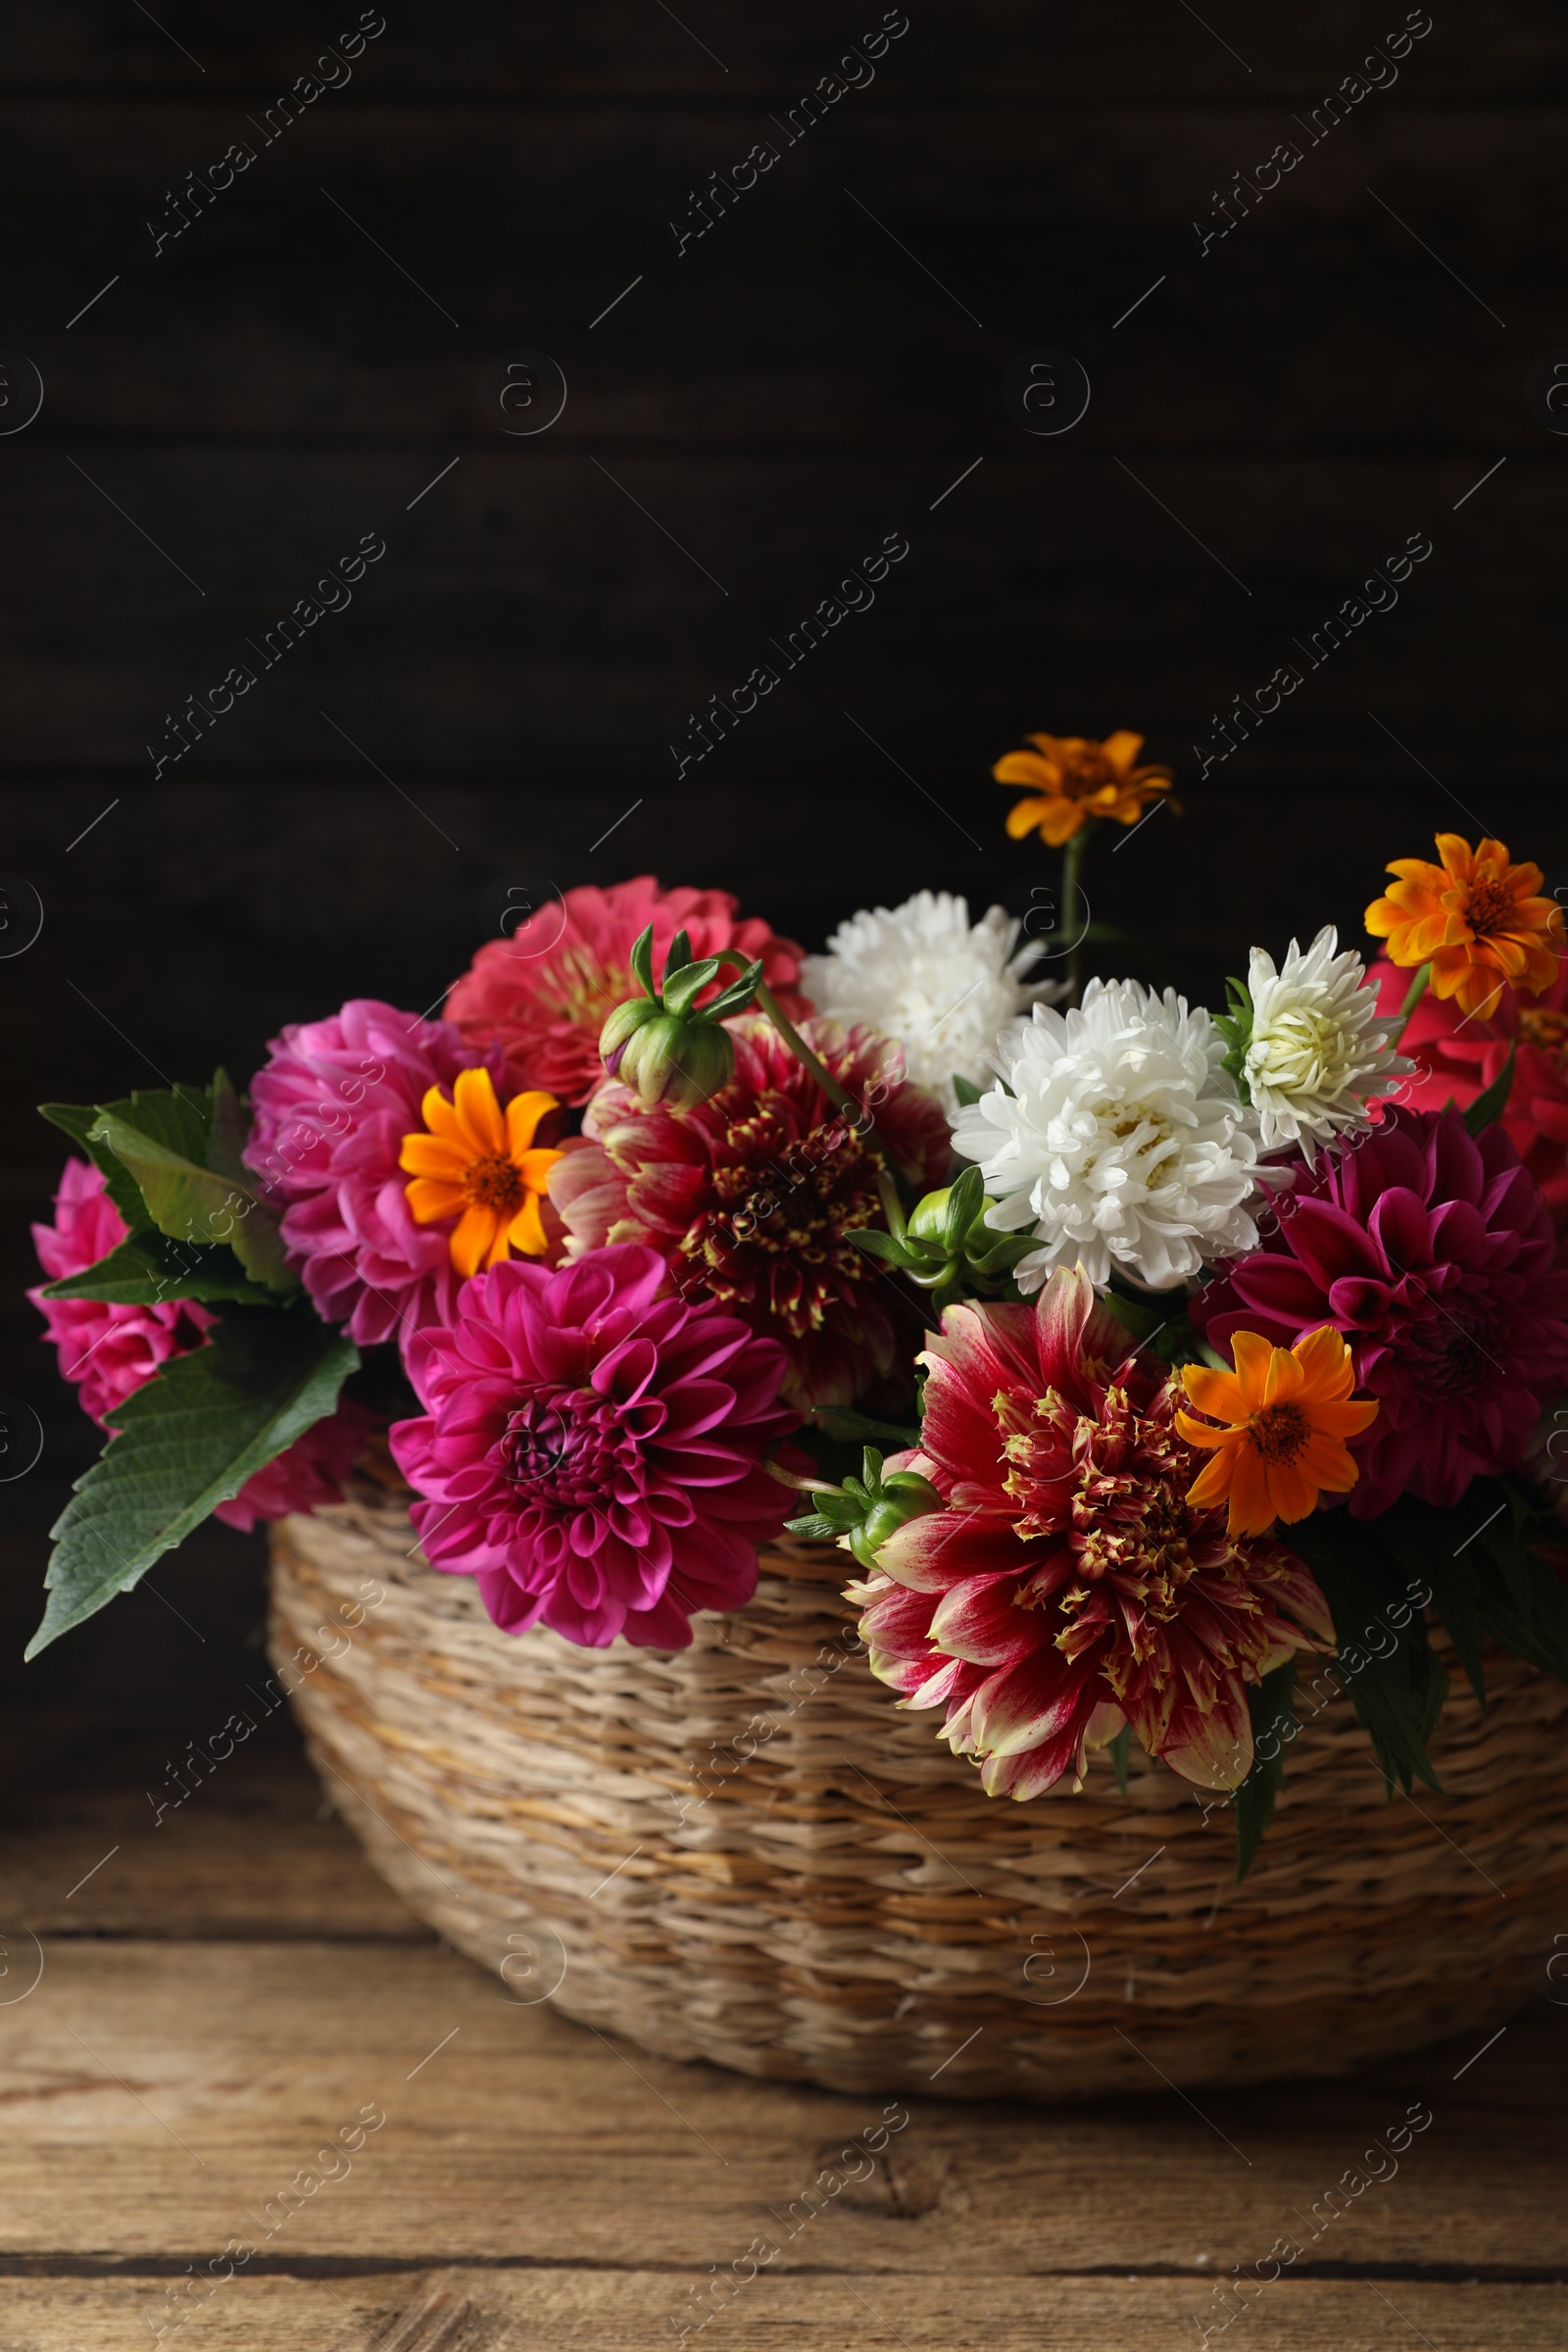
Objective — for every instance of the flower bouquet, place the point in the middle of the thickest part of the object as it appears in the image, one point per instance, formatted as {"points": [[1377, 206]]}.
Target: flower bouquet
{"points": [[1141, 1360]]}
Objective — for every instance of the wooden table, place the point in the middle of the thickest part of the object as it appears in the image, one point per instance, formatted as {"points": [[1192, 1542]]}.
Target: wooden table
{"points": [[230, 1999]]}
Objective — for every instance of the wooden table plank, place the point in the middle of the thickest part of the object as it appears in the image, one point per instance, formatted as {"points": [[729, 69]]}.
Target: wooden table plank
{"points": [[489, 2311], [164, 2097]]}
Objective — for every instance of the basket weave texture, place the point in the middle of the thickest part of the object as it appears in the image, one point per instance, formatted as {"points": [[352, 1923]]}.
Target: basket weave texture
{"points": [[743, 1851]]}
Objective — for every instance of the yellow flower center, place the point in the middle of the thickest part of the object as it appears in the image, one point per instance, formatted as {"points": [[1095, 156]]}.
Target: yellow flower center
{"points": [[1279, 1432], [1547, 1031]]}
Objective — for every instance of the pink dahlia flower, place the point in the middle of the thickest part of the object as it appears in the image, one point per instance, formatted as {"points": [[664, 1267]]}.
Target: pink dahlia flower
{"points": [[1069, 1587], [332, 1107], [592, 1450], [1431, 1253], [751, 1197], [543, 994], [1458, 1057], [109, 1351]]}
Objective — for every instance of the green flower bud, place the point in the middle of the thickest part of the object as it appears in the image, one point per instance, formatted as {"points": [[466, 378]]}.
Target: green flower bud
{"points": [[676, 1062], [904, 1496], [622, 1026]]}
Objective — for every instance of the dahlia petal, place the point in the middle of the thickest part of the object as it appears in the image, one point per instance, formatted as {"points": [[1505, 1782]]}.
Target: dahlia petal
{"points": [[1213, 1750], [977, 1620]]}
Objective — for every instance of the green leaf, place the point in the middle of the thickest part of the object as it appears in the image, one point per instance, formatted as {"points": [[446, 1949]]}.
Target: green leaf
{"points": [[227, 1128], [186, 1441], [965, 1091], [964, 1207], [1420, 1537], [842, 1421], [680, 953], [1395, 1684], [1489, 1107], [642, 962], [148, 1267], [1133, 1316], [1269, 1706], [163, 1140], [814, 1526], [76, 1119], [688, 983], [877, 1243], [1116, 1750], [737, 997]]}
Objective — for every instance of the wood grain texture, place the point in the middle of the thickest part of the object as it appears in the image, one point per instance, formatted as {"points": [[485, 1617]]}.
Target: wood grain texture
{"points": [[157, 2093], [592, 2311]]}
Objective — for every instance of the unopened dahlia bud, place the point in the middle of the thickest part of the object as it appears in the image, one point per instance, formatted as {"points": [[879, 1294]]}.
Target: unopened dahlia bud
{"points": [[660, 1042], [863, 1513], [676, 1062]]}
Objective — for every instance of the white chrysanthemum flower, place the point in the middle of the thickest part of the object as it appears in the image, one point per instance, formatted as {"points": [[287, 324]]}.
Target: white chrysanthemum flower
{"points": [[1123, 1143], [1319, 1048], [923, 974]]}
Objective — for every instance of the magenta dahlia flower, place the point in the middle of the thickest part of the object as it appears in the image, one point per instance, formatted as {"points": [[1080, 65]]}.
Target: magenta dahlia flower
{"points": [[591, 1452], [1069, 1587], [543, 994], [1431, 1251], [752, 1196], [109, 1351], [1457, 1056], [332, 1107]]}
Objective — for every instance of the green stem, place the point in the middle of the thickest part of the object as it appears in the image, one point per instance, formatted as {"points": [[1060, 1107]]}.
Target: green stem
{"points": [[1072, 868], [1412, 998], [802, 1485], [771, 1006]]}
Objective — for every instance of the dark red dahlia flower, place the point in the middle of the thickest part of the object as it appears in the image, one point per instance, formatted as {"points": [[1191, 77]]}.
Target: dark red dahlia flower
{"points": [[752, 1196], [1069, 1587], [1431, 1251], [592, 1452]]}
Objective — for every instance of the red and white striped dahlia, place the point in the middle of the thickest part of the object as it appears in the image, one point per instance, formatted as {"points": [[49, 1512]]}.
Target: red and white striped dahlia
{"points": [[1069, 1587]]}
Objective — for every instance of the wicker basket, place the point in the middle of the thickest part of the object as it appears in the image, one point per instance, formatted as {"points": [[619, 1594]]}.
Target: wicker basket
{"points": [[743, 1851]]}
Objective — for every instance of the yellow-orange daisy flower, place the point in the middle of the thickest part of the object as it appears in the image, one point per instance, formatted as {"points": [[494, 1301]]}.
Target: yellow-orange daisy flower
{"points": [[1476, 919], [1075, 779], [474, 1158], [1287, 1413]]}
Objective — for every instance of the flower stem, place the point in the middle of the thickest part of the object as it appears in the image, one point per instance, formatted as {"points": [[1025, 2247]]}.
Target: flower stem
{"points": [[791, 1478], [1072, 868], [771, 1006], [1412, 998]]}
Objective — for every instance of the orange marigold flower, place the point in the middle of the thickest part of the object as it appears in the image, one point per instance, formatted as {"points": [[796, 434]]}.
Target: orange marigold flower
{"points": [[474, 1160], [1476, 919], [1075, 779], [1287, 1413]]}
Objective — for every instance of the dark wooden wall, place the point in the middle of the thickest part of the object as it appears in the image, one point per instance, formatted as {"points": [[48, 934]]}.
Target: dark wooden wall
{"points": [[1282, 412]]}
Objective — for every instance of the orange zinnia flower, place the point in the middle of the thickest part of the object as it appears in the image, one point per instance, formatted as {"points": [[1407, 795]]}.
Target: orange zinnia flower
{"points": [[474, 1160], [1287, 1412], [1476, 919], [1075, 779]]}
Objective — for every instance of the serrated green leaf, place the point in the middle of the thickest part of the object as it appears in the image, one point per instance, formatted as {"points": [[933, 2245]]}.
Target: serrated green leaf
{"points": [[148, 1267], [965, 1091], [1489, 1107], [163, 1140], [76, 1119], [186, 1441]]}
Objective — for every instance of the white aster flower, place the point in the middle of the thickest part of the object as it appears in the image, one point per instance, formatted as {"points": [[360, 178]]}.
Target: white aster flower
{"points": [[923, 974], [1319, 1047], [1123, 1143]]}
